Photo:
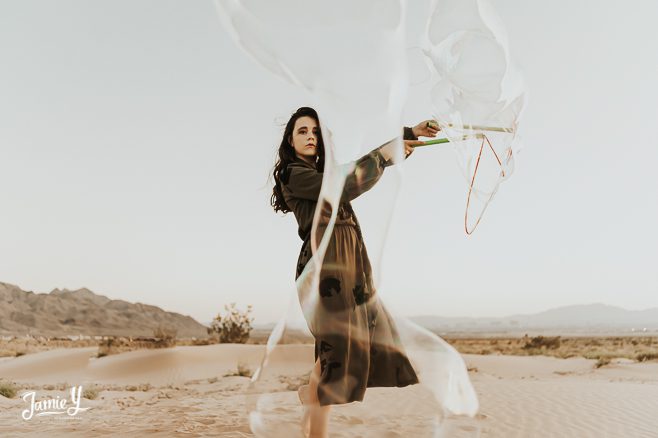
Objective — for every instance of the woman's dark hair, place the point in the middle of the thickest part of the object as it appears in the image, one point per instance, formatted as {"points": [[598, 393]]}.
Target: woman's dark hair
{"points": [[287, 156]]}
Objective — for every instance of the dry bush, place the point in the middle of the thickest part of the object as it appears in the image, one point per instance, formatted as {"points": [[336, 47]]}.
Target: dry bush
{"points": [[107, 346], [165, 336], [7, 389], [233, 327], [641, 357], [243, 371], [207, 341], [90, 393], [538, 342], [141, 387]]}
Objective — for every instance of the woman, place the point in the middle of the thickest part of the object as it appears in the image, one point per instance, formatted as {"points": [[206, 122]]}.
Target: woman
{"points": [[356, 342]]}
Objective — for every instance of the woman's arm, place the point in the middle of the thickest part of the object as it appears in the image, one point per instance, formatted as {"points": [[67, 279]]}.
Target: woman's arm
{"points": [[305, 182], [408, 135]]}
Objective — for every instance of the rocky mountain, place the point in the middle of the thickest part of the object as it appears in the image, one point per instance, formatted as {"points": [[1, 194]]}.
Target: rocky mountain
{"points": [[65, 312], [580, 317]]}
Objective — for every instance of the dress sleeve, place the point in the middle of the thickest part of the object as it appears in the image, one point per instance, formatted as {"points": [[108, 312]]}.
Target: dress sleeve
{"points": [[409, 134], [305, 182]]}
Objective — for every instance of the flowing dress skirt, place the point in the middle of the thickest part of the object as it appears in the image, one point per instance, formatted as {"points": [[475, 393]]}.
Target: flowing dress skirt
{"points": [[356, 339]]}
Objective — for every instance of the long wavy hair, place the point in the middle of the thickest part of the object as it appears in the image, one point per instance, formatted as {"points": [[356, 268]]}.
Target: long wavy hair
{"points": [[287, 156]]}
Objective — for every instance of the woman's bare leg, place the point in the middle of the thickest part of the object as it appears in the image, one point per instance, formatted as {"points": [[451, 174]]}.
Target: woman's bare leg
{"points": [[316, 416], [302, 391]]}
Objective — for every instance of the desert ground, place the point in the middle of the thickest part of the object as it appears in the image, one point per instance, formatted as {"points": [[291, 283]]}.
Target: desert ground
{"points": [[205, 390]]}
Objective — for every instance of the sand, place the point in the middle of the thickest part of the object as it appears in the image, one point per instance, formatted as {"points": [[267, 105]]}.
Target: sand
{"points": [[194, 391]]}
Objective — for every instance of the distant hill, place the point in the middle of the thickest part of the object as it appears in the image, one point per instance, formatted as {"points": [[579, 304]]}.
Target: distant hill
{"points": [[579, 317], [65, 312]]}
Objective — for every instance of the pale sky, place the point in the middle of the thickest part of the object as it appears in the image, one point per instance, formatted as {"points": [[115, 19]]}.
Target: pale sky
{"points": [[136, 141]]}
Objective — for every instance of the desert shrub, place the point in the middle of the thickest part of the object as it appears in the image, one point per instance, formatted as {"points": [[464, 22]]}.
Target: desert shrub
{"points": [[541, 341], [203, 341], [7, 389], [603, 360], [107, 346], [641, 357], [233, 327], [90, 393], [165, 336], [141, 387], [243, 371], [566, 354]]}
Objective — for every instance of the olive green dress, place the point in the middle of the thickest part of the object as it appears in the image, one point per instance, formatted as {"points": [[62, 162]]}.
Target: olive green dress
{"points": [[356, 339]]}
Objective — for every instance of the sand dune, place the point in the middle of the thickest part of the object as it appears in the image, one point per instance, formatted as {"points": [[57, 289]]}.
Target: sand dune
{"points": [[185, 391]]}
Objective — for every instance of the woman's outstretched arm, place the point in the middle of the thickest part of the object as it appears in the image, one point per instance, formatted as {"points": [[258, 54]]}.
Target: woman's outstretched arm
{"points": [[426, 128], [408, 135], [305, 182]]}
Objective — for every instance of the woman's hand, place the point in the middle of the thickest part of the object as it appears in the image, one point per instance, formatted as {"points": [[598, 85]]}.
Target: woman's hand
{"points": [[426, 128], [409, 147], [388, 150]]}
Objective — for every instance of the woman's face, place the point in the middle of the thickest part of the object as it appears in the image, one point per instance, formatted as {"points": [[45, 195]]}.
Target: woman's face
{"points": [[305, 138]]}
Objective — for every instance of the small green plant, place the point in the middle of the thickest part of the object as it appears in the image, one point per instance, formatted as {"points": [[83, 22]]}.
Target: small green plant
{"points": [[233, 327]]}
